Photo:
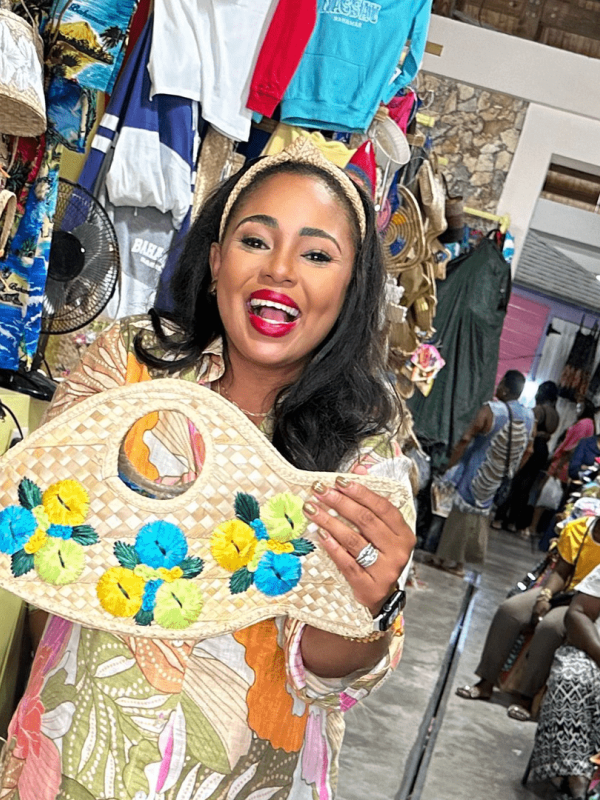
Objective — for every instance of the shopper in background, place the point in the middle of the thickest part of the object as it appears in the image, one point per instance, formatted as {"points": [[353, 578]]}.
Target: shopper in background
{"points": [[568, 733], [477, 467], [579, 554], [516, 513], [559, 466]]}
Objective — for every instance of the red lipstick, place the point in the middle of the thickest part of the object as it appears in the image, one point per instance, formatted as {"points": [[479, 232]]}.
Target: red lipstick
{"points": [[266, 327]]}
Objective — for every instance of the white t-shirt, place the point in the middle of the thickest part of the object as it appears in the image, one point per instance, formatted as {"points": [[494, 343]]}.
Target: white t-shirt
{"points": [[590, 584], [206, 50]]}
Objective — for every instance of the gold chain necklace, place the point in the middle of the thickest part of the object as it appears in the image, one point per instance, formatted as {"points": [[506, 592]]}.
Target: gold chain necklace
{"points": [[243, 410]]}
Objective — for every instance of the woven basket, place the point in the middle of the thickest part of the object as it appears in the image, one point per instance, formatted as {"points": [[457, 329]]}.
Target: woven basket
{"points": [[22, 103], [404, 239], [84, 443]]}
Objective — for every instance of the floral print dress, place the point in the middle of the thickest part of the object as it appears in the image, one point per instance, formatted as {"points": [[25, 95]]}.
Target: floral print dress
{"points": [[234, 717]]}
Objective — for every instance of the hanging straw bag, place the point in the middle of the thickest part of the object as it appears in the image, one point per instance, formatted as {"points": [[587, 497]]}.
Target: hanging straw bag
{"points": [[232, 550], [22, 103]]}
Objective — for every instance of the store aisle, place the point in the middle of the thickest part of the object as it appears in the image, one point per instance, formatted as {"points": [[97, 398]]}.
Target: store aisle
{"points": [[480, 754]]}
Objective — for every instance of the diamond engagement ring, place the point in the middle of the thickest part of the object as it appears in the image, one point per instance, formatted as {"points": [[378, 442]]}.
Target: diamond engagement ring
{"points": [[367, 556]]}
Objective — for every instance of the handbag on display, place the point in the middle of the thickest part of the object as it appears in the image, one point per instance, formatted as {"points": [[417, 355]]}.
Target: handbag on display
{"points": [[503, 491], [22, 103]]}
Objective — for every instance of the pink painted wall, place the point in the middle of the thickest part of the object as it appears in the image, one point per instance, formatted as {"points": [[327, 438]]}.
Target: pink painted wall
{"points": [[524, 325]]}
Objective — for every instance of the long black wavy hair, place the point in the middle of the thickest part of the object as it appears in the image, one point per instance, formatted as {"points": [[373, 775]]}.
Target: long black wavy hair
{"points": [[343, 395]]}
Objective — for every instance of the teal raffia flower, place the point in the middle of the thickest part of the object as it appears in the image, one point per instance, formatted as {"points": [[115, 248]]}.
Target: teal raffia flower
{"points": [[277, 573], [161, 544], [17, 525]]}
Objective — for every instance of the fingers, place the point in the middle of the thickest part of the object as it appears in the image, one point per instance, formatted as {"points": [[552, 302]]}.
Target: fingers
{"points": [[378, 520], [349, 539]]}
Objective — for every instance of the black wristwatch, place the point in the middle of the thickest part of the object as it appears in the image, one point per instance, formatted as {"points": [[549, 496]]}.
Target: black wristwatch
{"points": [[390, 610]]}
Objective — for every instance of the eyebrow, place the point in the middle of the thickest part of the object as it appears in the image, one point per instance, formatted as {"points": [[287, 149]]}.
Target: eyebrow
{"points": [[320, 233], [271, 222]]}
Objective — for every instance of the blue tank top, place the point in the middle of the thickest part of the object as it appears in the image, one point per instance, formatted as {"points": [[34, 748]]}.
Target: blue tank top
{"points": [[480, 471]]}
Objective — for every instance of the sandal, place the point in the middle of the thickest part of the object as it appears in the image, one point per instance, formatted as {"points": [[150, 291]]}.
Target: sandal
{"points": [[472, 693], [459, 573], [519, 713]]}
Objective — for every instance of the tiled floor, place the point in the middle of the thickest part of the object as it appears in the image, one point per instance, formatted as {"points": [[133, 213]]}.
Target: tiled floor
{"points": [[480, 753]]}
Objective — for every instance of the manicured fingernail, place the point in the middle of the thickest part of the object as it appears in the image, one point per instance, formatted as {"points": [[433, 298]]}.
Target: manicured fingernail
{"points": [[319, 487], [343, 482], [322, 534], [310, 509]]}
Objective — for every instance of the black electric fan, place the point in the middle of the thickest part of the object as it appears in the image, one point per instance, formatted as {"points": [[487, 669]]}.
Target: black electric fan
{"points": [[82, 276]]}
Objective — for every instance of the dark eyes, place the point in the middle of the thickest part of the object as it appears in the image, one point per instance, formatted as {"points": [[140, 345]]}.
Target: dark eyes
{"points": [[254, 242], [316, 256]]}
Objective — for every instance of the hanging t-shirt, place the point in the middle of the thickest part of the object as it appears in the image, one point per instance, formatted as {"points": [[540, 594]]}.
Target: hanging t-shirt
{"points": [[351, 62], [155, 143], [144, 236], [205, 50], [91, 40], [284, 135]]}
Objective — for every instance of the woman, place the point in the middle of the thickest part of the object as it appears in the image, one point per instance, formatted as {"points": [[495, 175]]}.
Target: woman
{"points": [[559, 466], [579, 553], [516, 514], [568, 733], [276, 306]]}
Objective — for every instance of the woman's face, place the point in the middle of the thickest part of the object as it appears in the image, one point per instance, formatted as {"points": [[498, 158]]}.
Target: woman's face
{"points": [[282, 270]]}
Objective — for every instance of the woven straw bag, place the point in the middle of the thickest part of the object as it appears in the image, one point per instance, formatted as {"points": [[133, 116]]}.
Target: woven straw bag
{"points": [[404, 239], [76, 541], [22, 103]]}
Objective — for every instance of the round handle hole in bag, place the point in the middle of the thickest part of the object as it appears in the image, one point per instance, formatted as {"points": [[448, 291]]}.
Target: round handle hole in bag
{"points": [[162, 455]]}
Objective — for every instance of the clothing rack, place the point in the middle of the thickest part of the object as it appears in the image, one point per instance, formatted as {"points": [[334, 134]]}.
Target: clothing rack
{"points": [[504, 219]]}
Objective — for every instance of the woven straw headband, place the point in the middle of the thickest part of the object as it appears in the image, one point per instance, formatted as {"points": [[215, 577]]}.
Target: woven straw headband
{"points": [[301, 151]]}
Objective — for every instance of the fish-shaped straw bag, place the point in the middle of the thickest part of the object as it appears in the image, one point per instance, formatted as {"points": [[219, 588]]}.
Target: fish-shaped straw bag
{"points": [[233, 549]]}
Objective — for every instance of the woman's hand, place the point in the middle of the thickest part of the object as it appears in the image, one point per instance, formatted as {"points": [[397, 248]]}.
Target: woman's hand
{"points": [[378, 522], [540, 609]]}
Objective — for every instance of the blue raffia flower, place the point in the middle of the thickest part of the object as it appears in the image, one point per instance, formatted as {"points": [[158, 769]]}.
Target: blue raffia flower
{"points": [[161, 544], [277, 573], [60, 531], [259, 529], [17, 525], [150, 590]]}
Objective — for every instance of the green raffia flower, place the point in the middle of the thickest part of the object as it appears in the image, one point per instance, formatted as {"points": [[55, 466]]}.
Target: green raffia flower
{"points": [[283, 517], [178, 604], [59, 561]]}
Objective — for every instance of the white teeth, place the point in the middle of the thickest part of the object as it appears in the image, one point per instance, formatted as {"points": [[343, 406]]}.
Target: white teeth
{"points": [[293, 312]]}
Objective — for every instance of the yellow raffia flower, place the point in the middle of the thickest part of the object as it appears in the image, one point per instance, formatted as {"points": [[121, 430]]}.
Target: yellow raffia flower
{"points": [[39, 512], [37, 541], [233, 544], [66, 503], [120, 592], [284, 518], [153, 574], [260, 550], [280, 547], [170, 575]]}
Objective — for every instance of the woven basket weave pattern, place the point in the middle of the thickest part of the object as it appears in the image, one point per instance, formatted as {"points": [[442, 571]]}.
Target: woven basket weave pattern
{"points": [[22, 104], [83, 444]]}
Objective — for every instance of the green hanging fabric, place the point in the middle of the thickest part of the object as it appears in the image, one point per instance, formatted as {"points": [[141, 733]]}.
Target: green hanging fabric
{"points": [[472, 304]]}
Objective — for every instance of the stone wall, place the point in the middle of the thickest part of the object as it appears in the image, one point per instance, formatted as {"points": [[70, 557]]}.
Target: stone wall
{"points": [[477, 131]]}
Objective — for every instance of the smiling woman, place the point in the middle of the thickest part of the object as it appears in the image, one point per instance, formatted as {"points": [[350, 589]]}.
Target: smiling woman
{"points": [[277, 306]]}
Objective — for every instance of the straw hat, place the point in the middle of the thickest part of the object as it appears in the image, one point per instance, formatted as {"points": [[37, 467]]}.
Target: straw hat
{"points": [[22, 103], [233, 549]]}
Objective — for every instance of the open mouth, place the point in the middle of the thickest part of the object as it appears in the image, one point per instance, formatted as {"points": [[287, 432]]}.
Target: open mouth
{"points": [[272, 313]]}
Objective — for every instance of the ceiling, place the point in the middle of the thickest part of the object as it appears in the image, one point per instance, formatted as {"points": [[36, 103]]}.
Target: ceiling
{"points": [[572, 25]]}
